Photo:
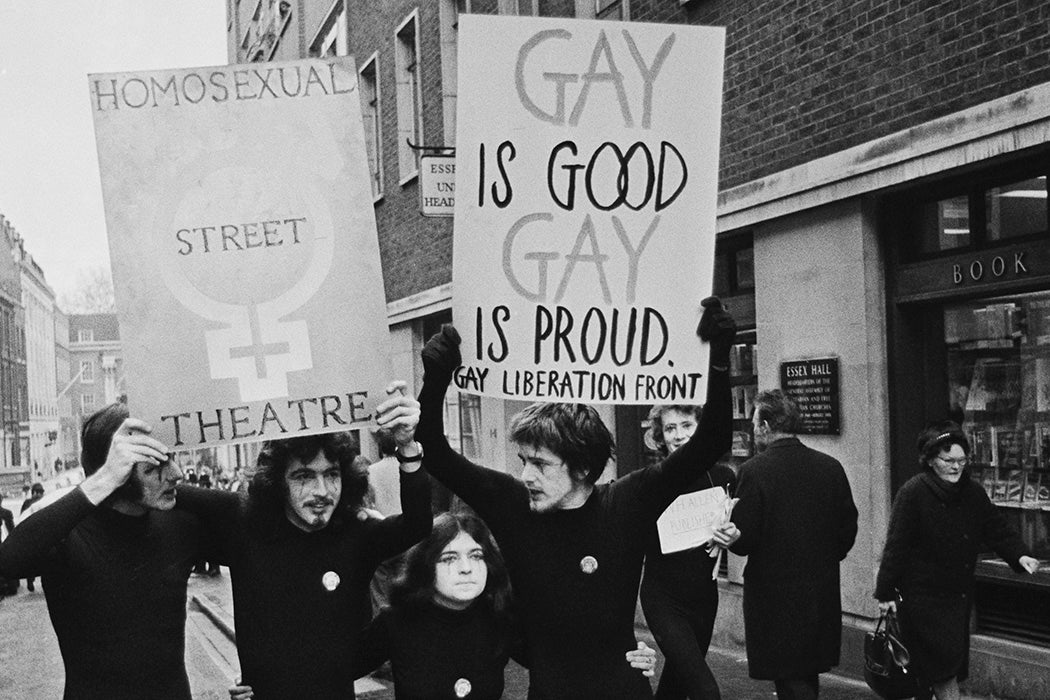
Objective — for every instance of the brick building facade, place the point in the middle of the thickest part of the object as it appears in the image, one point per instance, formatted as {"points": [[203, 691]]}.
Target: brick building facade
{"points": [[883, 201]]}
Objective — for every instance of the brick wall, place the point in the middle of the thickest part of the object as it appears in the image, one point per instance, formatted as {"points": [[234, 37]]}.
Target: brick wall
{"points": [[806, 79]]}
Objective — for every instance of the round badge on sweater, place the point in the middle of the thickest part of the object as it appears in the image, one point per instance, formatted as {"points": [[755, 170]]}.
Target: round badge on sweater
{"points": [[462, 688], [588, 564], [330, 580]]}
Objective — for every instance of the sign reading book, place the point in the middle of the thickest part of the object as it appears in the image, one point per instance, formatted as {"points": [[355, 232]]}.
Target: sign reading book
{"points": [[815, 386], [585, 215], [244, 249]]}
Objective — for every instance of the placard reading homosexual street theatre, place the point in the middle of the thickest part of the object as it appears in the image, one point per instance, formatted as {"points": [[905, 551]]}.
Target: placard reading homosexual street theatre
{"points": [[244, 249], [586, 164]]}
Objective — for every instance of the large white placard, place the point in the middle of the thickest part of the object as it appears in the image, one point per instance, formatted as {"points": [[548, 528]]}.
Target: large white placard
{"points": [[244, 249], [587, 158]]}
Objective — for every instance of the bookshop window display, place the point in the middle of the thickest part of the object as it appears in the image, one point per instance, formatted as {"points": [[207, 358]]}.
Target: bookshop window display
{"points": [[999, 390]]}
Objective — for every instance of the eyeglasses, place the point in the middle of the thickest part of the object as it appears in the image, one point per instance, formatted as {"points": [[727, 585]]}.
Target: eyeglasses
{"points": [[961, 462]]}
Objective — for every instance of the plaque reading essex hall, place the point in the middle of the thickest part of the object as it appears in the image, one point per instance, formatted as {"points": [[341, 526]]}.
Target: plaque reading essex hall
{"points": [[815, 385]]}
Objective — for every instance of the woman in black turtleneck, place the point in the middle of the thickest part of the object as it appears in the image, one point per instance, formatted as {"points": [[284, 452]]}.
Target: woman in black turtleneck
{"points": [[940, 518]]}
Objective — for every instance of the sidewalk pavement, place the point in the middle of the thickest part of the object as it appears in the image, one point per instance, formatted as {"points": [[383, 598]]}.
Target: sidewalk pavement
{"points": [[214, 598]]}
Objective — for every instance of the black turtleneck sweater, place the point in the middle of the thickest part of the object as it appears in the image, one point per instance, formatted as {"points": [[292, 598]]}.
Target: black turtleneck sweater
{"points": [[575, 572], [436, 652], [300, 598], [116, 592]]}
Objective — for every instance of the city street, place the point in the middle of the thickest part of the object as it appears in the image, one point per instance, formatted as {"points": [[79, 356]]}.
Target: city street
{"points": [[31, 667]]}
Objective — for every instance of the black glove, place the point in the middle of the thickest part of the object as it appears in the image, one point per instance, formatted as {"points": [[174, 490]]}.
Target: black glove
{"points": [[718, 328], [441, 355]]}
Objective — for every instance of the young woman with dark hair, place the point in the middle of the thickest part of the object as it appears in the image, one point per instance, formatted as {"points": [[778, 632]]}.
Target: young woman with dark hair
{"points": [[449, 630]]}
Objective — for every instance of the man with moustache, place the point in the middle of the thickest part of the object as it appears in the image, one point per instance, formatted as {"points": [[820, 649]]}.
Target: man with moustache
{"points": [[114, 560], [795, 521], [301, 559], [574, 548]]}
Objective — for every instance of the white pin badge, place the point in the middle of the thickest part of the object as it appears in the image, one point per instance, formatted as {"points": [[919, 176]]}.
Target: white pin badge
{"points": [[588, 564], [330, 580], [462, 688]]}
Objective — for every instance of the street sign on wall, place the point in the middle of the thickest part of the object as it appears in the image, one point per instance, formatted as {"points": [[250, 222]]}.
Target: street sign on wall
{"points": [[815, 386], [437, 185]]}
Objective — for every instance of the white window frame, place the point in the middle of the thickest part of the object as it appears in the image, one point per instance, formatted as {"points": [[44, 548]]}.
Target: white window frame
{"points": [[372, 121], [87, 404], [409, 98], [87, 371], [334, 31], [86, 335], [624, 7]]}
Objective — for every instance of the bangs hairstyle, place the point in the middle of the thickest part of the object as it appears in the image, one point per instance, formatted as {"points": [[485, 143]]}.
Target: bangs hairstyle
{"points": [[415, 587], [654, 434], [778, 409], [939, 437], [96, 434], [573, 431], [267, 493]]}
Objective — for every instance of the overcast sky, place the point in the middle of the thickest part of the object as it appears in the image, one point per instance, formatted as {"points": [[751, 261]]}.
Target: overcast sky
{"points": [[49, 182]]}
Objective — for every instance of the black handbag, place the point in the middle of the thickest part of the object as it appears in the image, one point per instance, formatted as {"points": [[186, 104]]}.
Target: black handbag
{"points": [[886, 661]]}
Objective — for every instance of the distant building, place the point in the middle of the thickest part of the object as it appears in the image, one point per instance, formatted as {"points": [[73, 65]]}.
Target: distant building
{"points": [[68, 430], [42, 427], [14, 407], [97, 364]]}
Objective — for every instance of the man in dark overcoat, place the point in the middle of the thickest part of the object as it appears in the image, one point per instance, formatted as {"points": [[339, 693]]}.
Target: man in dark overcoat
{"points": [[795, 521]]}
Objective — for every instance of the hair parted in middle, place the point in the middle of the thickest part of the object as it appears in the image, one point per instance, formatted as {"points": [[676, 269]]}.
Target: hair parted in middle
{"points": [[415, 586], [573, 431], [267, 493]]}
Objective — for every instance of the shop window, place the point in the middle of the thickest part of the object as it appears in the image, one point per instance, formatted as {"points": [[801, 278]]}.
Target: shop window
{"points": [[998, 365], [946, 224], [1016, 210]]}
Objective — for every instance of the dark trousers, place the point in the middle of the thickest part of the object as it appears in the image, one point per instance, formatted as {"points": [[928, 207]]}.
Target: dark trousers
{"points": [[682, 629], [798, 688]]}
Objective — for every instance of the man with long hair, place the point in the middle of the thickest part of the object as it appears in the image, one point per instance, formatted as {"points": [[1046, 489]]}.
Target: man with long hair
{"points": [[301, 558]]}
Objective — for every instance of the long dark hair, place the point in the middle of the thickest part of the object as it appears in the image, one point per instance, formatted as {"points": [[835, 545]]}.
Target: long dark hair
{"points": [[267, 493], [415, 587]]}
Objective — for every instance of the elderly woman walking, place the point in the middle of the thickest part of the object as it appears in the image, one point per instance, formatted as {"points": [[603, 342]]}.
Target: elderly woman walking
{"points": [[940, 518]]}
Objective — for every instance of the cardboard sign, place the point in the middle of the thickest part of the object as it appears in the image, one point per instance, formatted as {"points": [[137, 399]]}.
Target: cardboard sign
{"points": [[690, 521], [585, 221], [244, 249]]}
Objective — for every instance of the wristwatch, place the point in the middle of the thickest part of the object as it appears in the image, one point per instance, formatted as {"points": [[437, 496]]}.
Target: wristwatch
{"points": [[414, 458]]}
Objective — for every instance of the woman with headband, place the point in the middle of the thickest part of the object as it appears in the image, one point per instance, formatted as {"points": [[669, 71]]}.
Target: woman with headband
{"points": [[940, 520]]}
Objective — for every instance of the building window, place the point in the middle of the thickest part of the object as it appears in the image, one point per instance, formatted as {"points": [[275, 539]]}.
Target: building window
{"points": [[87, 404], [370, 117], [86, 335], [611, 9], [518, 7], [332, 38], [87, 371], [409, 102], [978, 214]]}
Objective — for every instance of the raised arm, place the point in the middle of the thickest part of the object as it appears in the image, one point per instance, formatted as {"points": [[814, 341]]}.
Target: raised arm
{"points": [[31, 548], [714, 435], [399, 417], [487, 491]]}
